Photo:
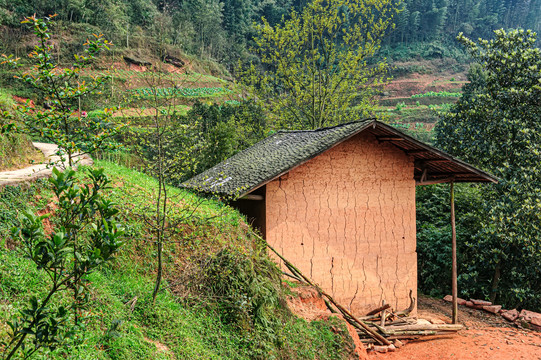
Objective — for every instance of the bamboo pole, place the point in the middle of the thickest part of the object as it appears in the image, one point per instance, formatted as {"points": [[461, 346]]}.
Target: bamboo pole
{"points": [[356, 322], [454, 286]]}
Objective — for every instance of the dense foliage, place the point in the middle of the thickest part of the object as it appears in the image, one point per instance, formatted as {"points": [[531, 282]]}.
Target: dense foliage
{"points": [[66, 257], [222, 30], [315, 64], [223, 130], [195, 316], [206, 28], [434, 237], [438, 21], [61, 121], [496, 126], [178, 92]]}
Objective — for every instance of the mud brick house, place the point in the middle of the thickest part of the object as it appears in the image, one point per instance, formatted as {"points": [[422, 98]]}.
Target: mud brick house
{"points": [[339, 203]]}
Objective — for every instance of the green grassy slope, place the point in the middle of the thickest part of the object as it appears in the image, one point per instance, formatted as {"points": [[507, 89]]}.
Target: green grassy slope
{"points": [[184, 323]]}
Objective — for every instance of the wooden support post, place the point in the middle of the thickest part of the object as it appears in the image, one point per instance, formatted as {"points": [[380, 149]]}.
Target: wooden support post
{"points": [[454, 286]]}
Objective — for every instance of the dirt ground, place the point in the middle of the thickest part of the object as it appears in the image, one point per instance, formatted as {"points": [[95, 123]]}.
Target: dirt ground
{"points": [[485, 337]]}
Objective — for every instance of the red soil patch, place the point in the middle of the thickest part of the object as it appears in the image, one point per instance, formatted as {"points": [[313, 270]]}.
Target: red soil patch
{"points": [[485, 337], [49, 209], [473, 344], [21, 100], [307, 303], [137, 68], [419, 84]]}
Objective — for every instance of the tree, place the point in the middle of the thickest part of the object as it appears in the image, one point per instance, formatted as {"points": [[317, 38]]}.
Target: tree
{"points": [[165, 148], [496, 126], [66, 256], [315, 65], [62, 121], [223, 130]]}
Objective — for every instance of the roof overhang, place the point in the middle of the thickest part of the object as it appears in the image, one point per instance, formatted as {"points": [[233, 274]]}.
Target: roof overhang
{"points": [[432, 166]]}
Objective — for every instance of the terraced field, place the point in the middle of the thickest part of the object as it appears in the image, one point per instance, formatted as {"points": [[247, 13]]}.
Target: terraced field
{"points": [[179, 92]]}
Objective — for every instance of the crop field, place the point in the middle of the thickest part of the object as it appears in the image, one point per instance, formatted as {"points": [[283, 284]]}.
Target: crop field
{"points": [[437, 94], [179, 92], [122, 74]]}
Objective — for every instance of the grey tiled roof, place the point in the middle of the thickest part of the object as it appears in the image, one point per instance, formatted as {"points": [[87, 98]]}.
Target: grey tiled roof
{"points": [[269, 158], [279, 153]]}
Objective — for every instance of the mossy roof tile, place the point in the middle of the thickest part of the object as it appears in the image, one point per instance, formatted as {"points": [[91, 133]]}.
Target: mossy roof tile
{"points": [[284, 150], [269, 158]]}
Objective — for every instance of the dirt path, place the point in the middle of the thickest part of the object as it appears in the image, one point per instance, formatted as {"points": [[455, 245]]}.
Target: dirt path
{"points": [[485, 337], [37, 171]]}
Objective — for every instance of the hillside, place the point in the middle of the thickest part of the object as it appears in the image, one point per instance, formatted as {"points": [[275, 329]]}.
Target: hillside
{"points": [[212, 264], [419, 92]]}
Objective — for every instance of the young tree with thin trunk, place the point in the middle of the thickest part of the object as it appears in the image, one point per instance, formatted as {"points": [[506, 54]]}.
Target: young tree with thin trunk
{"points": [[62, 121], [165, 147]]}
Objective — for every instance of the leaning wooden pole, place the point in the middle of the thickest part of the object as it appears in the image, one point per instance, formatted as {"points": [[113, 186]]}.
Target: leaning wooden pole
{"points": [[454, 285], [348, 315]]}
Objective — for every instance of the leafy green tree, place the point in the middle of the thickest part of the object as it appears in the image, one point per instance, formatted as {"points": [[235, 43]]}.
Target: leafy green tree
{"points": [[315, 70], [434, 235], [496, 126], [87, 236], [223, 130], [62, 121]]}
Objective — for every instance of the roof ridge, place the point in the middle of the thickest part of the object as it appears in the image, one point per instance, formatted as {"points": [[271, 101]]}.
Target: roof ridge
{"points": [[324, 128]]}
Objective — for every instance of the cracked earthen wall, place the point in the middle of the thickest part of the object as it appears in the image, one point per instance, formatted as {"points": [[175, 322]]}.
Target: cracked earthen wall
{"points": [[347, 219]]}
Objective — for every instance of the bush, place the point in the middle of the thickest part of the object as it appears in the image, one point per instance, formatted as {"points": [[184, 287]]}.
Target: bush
{"points": [[434, 236]]}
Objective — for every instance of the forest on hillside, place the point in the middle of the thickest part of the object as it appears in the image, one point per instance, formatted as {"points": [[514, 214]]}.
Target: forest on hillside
{"points": [[222, 30]]}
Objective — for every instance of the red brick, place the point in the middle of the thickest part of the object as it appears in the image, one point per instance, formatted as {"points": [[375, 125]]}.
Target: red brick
{"points": [[473, 306], [531, 317], [536, 321]]}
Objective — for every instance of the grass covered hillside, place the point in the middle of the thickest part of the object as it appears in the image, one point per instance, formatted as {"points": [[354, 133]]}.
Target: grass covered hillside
{"points": [[222, 298]]}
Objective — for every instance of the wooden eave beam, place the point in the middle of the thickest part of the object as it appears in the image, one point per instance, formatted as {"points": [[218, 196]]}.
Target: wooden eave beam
{"points": [[435, 181], [253, 197], [416, 151], [435, 160], [389, 138], [450, 173]]}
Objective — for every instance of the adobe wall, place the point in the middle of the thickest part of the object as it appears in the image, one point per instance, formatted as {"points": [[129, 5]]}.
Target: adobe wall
{"points": [[347, 219]]}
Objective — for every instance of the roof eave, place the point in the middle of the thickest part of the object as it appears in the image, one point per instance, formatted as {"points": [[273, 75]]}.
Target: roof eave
{"points": [[477, 175]]}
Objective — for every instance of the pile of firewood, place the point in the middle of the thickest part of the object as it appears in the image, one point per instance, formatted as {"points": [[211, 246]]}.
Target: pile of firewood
{"points": [[525, 319], [382, 329], [396, 327]]}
